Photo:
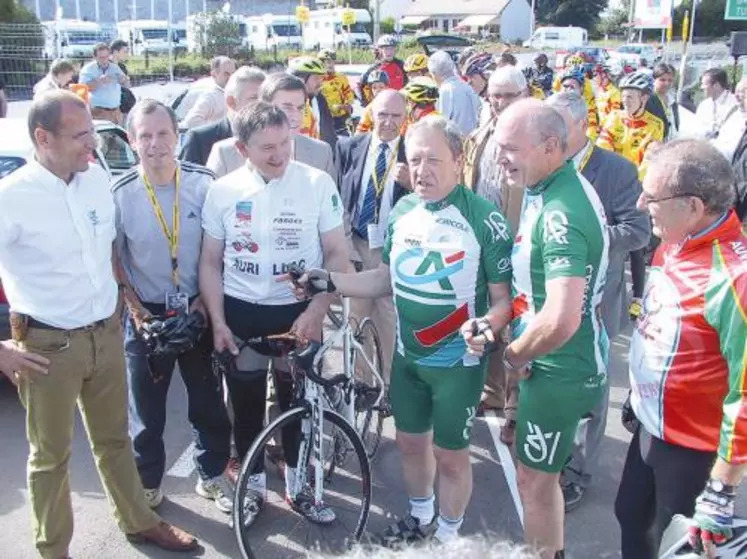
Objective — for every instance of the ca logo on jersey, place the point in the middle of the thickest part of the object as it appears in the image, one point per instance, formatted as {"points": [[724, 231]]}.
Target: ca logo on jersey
{"points": [[556, 227], [497, 226], [433, 267], [541, 447]]}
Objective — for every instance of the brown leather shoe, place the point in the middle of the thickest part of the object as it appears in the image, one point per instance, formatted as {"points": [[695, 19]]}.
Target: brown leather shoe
{"points": [[166, 537]]}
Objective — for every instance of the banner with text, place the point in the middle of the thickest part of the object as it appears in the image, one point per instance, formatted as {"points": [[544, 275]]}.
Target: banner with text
{"points": [[653, 14]]}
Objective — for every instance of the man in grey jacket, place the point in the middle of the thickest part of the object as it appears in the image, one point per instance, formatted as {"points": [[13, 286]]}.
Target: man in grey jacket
{"points": [[616, 181]]}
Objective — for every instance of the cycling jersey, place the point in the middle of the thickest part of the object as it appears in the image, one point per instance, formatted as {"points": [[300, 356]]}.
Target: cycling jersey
{"points": [[562, 233], [593, 131], [608, 99], [688, 358], [366, 122], [267, 227], [309, 124], [336, 90], [537, 92], [442, 256], [394, 69], [630, 137], [428, 111]]}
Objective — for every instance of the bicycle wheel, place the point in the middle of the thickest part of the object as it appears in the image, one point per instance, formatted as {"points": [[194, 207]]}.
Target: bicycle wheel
{"points": [[369, 416], [278, 531]]}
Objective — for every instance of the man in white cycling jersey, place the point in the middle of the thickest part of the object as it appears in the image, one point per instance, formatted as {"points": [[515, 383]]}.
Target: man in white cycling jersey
{"points": [[258, 221]]}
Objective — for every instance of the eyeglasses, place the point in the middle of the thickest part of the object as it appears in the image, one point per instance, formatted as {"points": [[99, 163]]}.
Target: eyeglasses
{"points": [[648, 200], [506, 96]]}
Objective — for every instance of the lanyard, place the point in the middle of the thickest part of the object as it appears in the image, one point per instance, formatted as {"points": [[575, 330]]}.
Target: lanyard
{"points": [[585, 160], [171, 237], [379, 186]]}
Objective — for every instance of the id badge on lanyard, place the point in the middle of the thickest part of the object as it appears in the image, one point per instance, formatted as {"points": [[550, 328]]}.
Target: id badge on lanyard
{"points": [[375, 234]]}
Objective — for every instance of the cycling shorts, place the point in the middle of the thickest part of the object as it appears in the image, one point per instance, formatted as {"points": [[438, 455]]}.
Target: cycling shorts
{"points": [[442, 399], [548, 416]]}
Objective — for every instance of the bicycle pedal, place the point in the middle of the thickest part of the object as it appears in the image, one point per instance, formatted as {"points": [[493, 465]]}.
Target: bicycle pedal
{"points": [[365, 397]]}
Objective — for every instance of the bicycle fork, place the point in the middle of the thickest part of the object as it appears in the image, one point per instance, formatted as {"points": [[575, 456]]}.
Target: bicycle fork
{"points": [[310, 449]]}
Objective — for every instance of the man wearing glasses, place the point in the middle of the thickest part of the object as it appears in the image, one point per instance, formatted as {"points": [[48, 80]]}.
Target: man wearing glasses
{"points": [[687, 356]]}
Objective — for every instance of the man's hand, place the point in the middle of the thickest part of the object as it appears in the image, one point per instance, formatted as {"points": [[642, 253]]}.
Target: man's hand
{"points": [[139, 315], [714, 513], [402, 175], [477, 334], [199, 306], [308, 326], [313, 281], [16, 363], [518, 370], [223, 339]]}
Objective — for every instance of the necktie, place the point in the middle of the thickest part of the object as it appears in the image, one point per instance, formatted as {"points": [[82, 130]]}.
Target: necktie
{"points": [[372, 199]]}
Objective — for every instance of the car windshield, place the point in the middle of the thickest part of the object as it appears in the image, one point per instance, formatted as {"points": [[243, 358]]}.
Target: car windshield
{"points": [[630, 49], [83, 37], [286, 30], [355, 28], [155, 34], [10, 164]]}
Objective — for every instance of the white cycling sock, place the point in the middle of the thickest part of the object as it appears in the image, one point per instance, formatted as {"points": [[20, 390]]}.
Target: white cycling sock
{"points": [[448, 528], [290, 479], [423, 509]]}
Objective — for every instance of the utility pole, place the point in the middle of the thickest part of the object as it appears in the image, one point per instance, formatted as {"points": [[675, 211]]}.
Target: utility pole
{"points": [[631, 17], [532, 19], [171, 41], [377, 20]]}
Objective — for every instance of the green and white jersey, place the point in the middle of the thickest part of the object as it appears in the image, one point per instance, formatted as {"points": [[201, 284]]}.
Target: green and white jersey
{"points": [[442, 256], [562, 233]]}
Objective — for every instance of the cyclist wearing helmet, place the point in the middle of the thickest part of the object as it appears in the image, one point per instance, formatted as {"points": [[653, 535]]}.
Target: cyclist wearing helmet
{"points": [[477, 70], [336, 91], [416, 65], [573, 79], [535, 89], [317, 120], [378, 81], [393, 67], [607, 94], [421, 95], [542, 74]]}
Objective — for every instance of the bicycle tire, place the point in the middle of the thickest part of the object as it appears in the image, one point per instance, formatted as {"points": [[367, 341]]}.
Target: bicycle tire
{"points": [[251, 550], [369, 422]]}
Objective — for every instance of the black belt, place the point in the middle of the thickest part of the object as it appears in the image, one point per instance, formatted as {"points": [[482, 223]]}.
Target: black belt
{"points": [[33, 323]]}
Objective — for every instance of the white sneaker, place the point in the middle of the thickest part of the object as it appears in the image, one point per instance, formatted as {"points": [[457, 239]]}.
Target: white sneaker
{"points": [[216, 489], [154, 497]]}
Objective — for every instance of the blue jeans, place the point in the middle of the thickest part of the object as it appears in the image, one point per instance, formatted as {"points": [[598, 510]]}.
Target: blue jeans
{"points": [[149, 378]]}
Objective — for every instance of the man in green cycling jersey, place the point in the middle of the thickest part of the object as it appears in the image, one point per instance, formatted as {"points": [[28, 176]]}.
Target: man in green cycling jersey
{"points": [[559, 346], [447, 262]]}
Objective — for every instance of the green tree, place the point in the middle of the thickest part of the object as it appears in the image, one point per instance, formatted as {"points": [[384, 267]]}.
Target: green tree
{"points": [[12, 11], [387, 25], [582, 13], [218, 34], [709, 19], [614, 21]]}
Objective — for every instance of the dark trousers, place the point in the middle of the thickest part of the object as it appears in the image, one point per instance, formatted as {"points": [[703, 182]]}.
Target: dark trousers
{"points": [[659, 480], [149, 379], [638, 271]]}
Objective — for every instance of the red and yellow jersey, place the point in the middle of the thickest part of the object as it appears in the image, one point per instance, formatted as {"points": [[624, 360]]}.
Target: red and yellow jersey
{"points": [[631, 137], [537, 92], [608, 100], [593, 131], [336, 90], [688, 356], [427, 111], [366, 122], [309, 125]]}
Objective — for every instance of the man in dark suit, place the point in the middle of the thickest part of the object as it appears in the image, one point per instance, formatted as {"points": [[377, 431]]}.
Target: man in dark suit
{"points": [[374, 163], [616, 182], [242, 90]]}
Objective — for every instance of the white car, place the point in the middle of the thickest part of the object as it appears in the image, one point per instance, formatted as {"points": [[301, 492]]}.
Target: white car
{"points": [[114, 153], [632, 53]]}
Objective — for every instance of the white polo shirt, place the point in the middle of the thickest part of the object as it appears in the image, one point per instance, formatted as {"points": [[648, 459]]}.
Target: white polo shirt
{"points": [[56, 245]]}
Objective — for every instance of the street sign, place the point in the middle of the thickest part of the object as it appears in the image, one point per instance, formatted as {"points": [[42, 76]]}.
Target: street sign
{"points": [[302, 14], [736, 10], [348, 17]]}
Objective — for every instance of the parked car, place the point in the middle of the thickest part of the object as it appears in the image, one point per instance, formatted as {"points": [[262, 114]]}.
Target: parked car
{"points": [[453, 44], [593, 56], [632, 53]]}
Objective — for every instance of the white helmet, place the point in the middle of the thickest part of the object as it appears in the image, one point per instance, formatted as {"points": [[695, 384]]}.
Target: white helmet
{"points": [[386, 41]]}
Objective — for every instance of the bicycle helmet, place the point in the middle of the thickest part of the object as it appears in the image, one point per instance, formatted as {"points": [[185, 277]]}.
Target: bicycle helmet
{"points": [[479, 63], [641, 81], [675, 543], [386, 41], [574, 72], [306, 65], [416, 62], [377, 76], [327, 54], [172, 333], [421, 91]]}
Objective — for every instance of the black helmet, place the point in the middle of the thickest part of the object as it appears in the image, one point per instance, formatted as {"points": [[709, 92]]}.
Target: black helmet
{"points": [[173, 333]]}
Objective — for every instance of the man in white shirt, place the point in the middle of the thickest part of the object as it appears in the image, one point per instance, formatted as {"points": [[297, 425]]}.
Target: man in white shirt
{"points": [[210, 106], [258, 221], [60, 75], [457, 101], [719, 105], [56, 234], [159, 258]]}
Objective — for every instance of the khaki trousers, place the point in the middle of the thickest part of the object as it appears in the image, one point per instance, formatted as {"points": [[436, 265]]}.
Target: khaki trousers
{"points": [[501, 391], [87, 368], [112, 115], [380, 310]]}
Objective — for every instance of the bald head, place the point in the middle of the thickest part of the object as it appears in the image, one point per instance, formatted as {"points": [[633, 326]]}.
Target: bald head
{"points": [[389, 109], [534, 119]]}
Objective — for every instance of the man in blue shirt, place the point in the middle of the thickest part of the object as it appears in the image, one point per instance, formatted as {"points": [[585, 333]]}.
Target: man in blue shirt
{"points": [[457, 101], [105, 80]]}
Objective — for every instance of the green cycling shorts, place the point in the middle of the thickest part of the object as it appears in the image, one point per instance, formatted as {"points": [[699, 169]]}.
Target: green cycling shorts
{"points": [[442, 399], [548, 416]]}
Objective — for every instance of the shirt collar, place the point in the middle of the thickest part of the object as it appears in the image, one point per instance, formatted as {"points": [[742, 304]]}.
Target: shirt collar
{"points": [[376, 142], [257, 176], [579, 157], [47, 177], [723, 228]]}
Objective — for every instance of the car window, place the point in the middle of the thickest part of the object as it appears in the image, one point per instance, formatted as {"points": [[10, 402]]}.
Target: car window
{"points": [[10, 164], [185, 101], [116, 149]]}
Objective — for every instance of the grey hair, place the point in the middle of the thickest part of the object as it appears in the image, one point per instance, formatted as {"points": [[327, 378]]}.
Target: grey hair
{"points": [[572, 102], [443, 126], [440, 64], [46, 110], [218, 61], [459, 548], [696, 168], [147, 107], [508, 75], [280, 81], [256, 118], [243, 76]]}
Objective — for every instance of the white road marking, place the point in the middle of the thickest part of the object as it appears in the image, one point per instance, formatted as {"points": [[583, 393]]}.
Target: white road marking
{"points": [[507, 461], [184, 465]]}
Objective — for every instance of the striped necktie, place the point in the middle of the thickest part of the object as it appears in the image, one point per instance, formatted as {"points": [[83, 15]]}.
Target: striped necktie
{"points": [[372, 199]]}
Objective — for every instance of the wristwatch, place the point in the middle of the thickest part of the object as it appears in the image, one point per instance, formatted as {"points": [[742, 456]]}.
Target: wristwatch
{"points": [[720, 487]]}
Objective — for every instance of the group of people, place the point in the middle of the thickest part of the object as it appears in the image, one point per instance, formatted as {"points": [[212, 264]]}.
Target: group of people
{"points": [[481, 223]]}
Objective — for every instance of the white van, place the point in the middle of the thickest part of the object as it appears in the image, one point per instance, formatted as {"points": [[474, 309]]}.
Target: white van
{"points": [[558, 38], [71, 38], [197, 23], [147, 35], [274, 31], [325, 30]]}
